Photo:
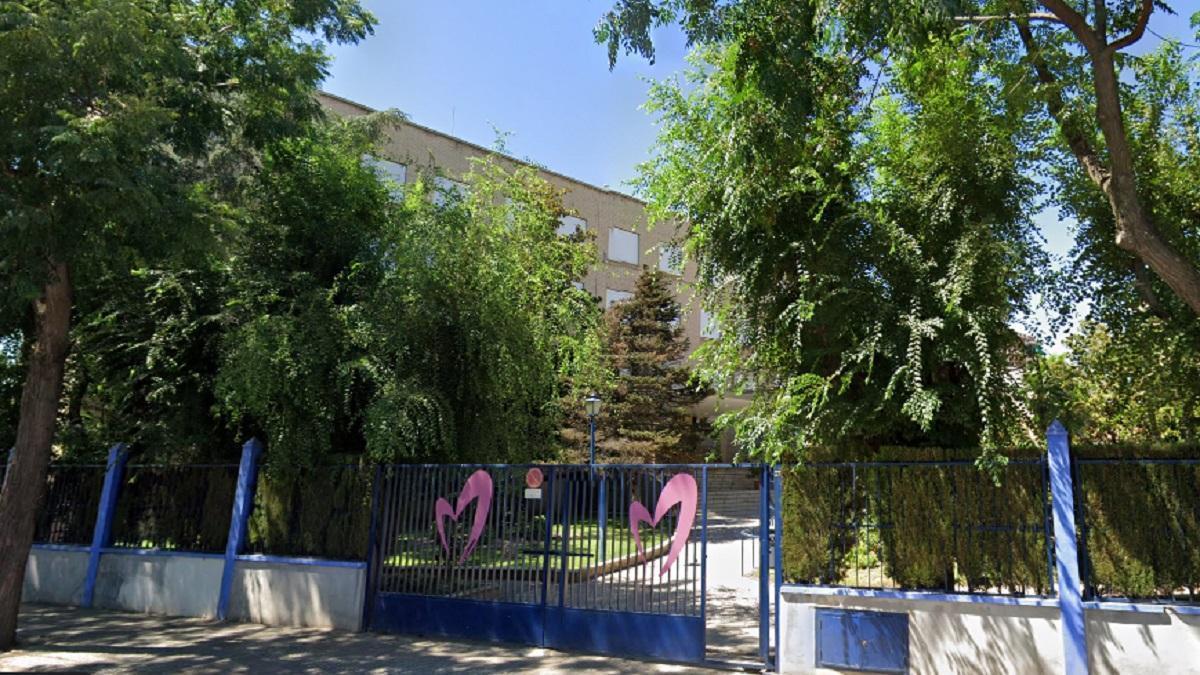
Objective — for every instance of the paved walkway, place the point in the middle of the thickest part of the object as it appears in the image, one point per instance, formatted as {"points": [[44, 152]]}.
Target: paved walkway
{"points": [[63, 638], [732, 621]]}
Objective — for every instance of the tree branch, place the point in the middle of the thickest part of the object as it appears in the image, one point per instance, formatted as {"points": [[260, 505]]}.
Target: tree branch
{"points": [[1080, 146], [1075, 21], [1139, 29], [1145, 288], [1032, 16]]}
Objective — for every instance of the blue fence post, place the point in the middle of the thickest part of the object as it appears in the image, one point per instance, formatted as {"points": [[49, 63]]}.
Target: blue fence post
{"points": [[764, 564], [1066, 550], [704, 549], [114, 470], [243, 501], [777, 504]]}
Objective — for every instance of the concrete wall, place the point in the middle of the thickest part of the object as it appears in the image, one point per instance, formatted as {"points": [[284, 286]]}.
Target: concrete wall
{"points": [[55, 576], [298, 595], [174, 585], [975, 637]]}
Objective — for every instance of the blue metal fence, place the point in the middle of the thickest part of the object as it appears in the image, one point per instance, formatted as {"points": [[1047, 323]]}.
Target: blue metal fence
{"points": [[1139, 526], [604, 559], [939, 526]]}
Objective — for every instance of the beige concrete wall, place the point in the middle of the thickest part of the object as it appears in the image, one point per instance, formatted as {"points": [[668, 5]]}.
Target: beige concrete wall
{"points": [[278, 594], [55, 576], [424, 150], [965, 637]]}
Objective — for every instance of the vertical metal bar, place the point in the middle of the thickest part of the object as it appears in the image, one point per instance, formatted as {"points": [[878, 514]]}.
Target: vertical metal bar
{"points": [[243, 500], [564, 569], [410, 504], [777, 490], [1085, 564], [703, 556], [423, 568], [623, 584], [764, 562], [1070, 601], [551, 485], [102, 531], [438, 580], [603, 515]]}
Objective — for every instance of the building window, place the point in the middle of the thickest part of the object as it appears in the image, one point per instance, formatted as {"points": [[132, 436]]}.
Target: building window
{"points": [[708, 325], [670, 259], [392, 173], [570, 225], [611, 296], [623, 246], [446, 190]]}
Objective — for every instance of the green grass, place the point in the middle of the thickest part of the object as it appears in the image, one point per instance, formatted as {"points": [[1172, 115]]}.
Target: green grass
{"points": [[582, 551]]}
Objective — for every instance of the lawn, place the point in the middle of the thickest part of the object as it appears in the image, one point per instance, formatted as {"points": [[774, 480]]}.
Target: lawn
{"points": [[527, 553]]}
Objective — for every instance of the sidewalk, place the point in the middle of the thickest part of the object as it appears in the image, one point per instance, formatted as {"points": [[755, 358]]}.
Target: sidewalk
{"points": [[67, 638]]}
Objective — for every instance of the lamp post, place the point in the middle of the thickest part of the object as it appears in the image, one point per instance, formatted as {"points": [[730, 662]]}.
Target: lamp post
{"points": [[592, 405]]}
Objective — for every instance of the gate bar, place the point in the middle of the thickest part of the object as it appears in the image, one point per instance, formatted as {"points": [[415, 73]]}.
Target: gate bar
{"points": [[764, 562]]}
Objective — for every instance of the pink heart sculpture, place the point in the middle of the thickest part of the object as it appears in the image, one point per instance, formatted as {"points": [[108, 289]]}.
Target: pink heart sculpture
{"points": [[681, 490], [478, 486]]}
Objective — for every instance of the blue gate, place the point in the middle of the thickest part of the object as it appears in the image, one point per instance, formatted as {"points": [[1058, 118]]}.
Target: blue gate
{"points": [[607, 559]]}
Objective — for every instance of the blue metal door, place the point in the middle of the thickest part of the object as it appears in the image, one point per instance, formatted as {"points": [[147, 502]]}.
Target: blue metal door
{"points": [[604, 559]]}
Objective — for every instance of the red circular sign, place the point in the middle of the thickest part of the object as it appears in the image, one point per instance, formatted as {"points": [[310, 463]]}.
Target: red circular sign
{"points": [[534, 478]]}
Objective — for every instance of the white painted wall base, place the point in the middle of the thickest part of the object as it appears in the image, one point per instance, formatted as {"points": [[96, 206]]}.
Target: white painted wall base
{"points": [[271, 593], [55, 577], [298, 595], [160, 584], [971, 637]]}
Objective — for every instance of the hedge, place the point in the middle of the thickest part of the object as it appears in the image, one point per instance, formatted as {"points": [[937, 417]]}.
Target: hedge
{"points": [[952, 527], [322, 512]]}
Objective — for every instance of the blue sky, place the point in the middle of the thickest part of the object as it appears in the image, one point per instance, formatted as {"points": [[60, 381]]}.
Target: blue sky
{"points": [[526, 67], [530, 69]]}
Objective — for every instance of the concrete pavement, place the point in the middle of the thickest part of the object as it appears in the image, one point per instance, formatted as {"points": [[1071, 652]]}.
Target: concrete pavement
{"points": [[81, 640]]}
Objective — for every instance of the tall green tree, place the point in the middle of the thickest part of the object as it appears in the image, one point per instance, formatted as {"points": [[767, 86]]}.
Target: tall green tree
{"points": [[648, 414], [1121, 160], [118, 117], [1068, 56], [863, 258], [407, 330]]}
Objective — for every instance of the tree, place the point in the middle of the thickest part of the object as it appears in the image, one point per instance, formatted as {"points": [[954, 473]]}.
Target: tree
{"points": [[120, 118], [1066, 56], [342, 321], [405, 330], [1113, 386], [648, 415], [863, 259]]}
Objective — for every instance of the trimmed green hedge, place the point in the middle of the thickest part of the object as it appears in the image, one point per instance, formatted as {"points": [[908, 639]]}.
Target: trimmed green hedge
{"points": [[1142, 523], [322, 512], [956, 527]]}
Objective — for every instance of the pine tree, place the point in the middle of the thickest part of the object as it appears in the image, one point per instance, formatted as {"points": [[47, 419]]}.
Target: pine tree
{"points": [[649, 413]]}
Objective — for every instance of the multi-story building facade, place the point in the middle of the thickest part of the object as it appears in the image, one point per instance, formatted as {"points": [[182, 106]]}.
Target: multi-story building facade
{"points": [[625, 243]]}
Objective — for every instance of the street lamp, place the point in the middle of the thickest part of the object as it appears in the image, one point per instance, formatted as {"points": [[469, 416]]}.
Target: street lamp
{"points": [[592, 406]]}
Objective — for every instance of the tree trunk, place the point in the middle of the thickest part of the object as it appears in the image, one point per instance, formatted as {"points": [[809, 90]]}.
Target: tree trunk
{"points": [[1136, 233], [25, 483]]}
